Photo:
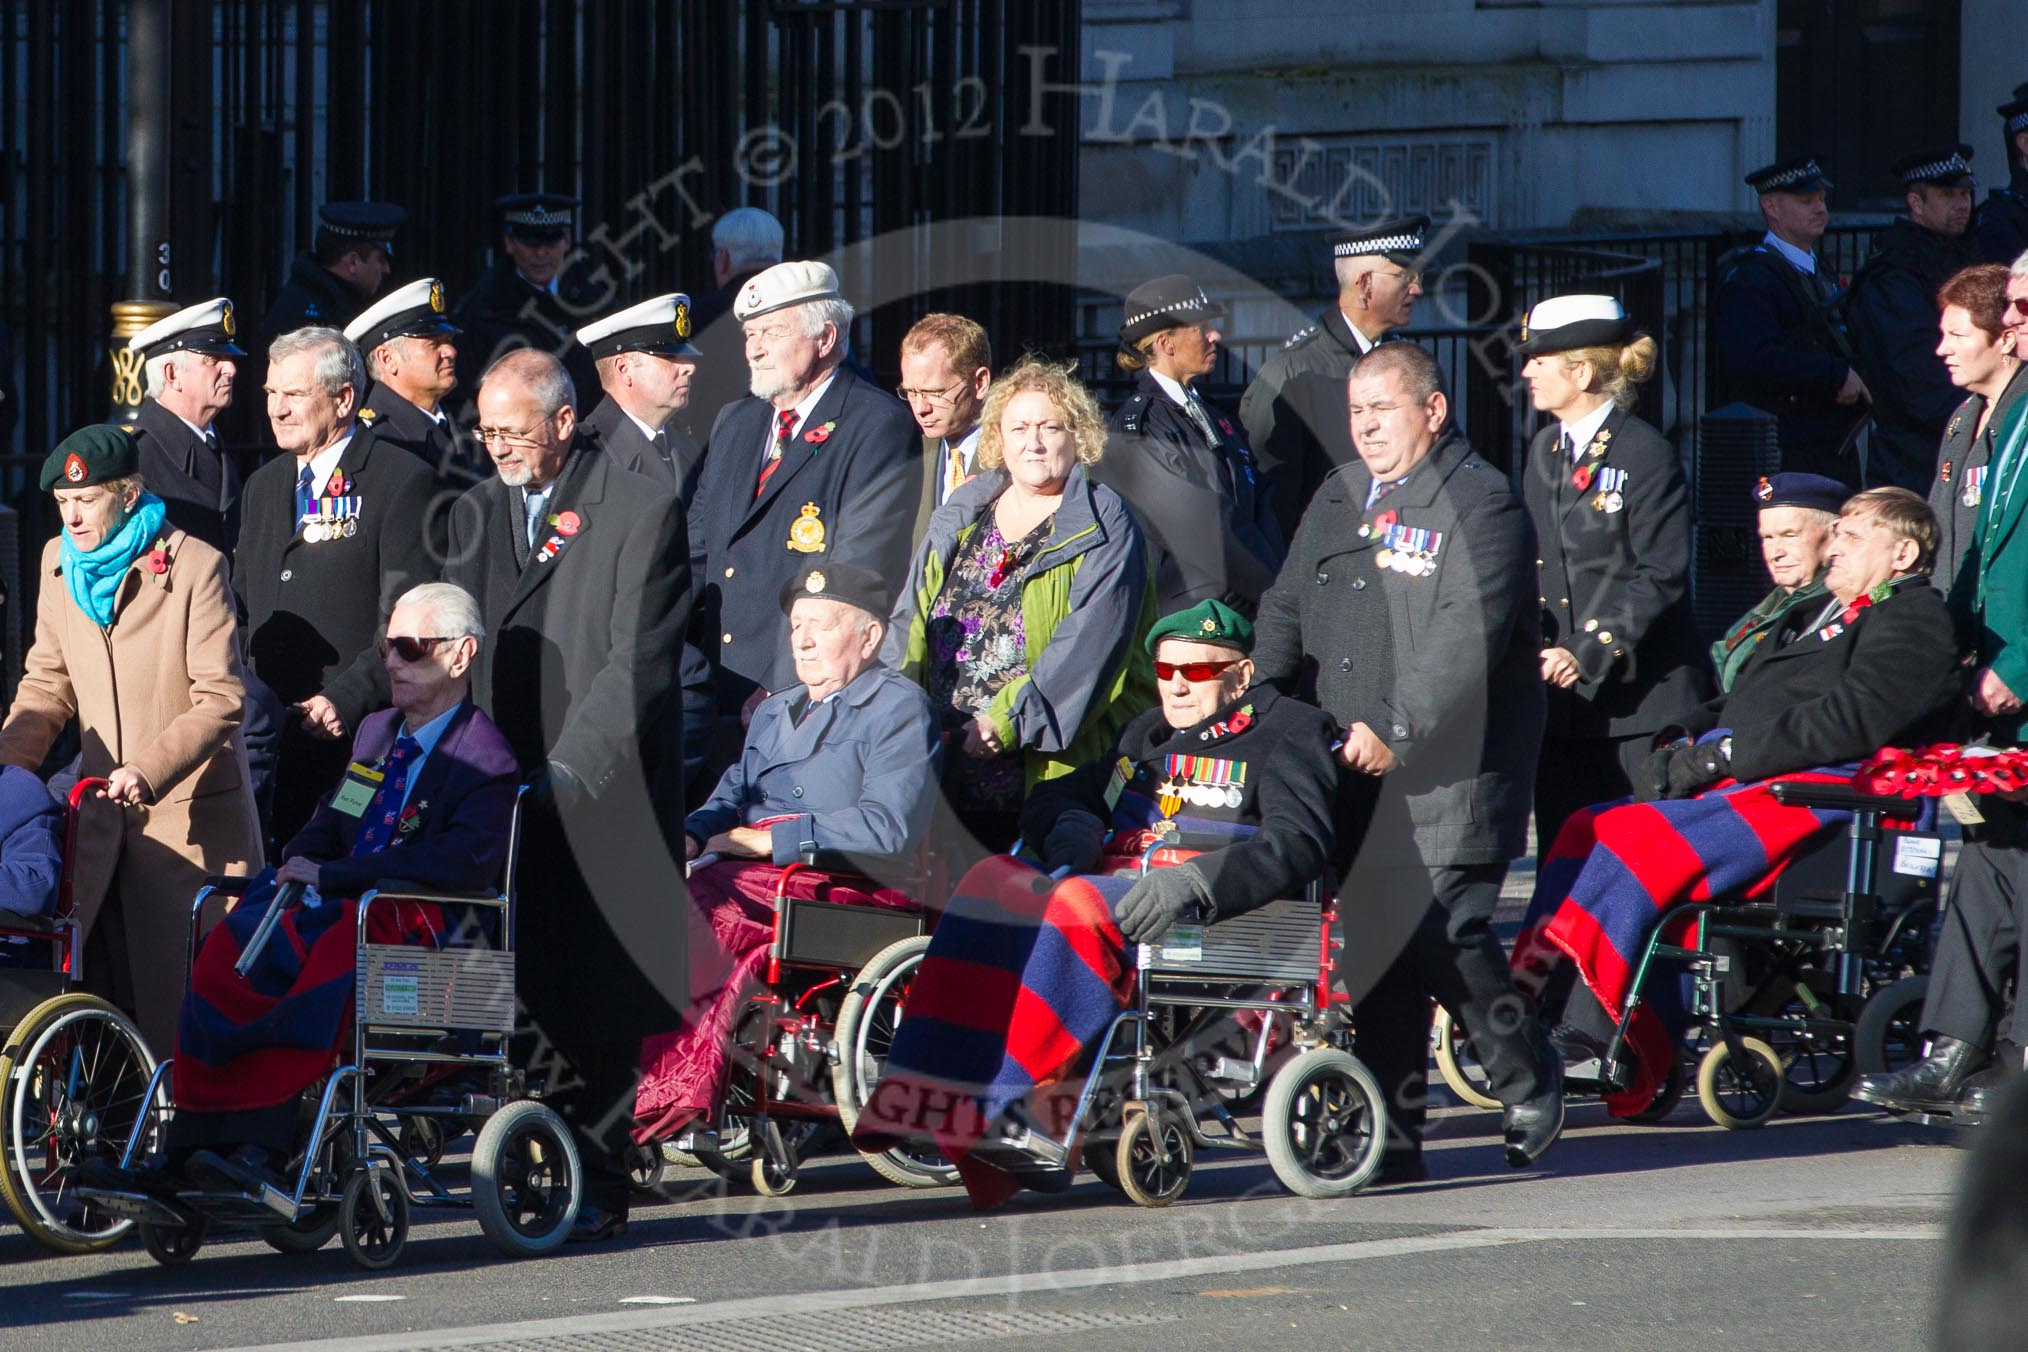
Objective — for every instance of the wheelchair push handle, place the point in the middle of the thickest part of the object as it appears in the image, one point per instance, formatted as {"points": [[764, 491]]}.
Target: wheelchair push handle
{"points": [[285, 896]]}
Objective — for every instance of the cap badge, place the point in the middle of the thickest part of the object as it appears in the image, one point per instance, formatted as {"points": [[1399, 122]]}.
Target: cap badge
{"points": [[437, 297], [814, 584], [74, 470], [1209, 626], [682, 321], [1764, 490], [225, 320], [806, 533]]}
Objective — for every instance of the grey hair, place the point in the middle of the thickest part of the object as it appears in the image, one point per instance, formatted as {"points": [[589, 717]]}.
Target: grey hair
{"points": [[1350, 270], [2020, 268], [543, 374], [748, 235], [338, 363], [815, 314], [155, 373], [454, 610]]}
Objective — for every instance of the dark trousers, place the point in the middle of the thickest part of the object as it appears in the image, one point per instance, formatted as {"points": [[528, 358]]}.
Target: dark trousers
{"points": [[1576, 772], [1452, 956], [306, 768], [1978, 949]]}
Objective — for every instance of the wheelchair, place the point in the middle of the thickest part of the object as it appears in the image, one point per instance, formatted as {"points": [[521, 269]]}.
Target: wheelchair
{"points": [[429, 1059], [1792, 996], [810, 1042], [1182, 1058], [74, 1074]]}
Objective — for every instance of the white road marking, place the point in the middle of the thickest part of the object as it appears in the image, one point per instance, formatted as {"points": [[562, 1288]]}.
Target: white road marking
{"points": [[658, 1300], [1034, 1283], [368, 1298]]}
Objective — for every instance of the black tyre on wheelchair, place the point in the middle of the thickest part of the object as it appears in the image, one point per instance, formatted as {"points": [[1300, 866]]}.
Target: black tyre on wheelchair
{"points": [[1740, 1090], [172, 1245], [1153, 1155], [865, 1032], [526, 1179], [1889, 1033], [373, 1217], [1324, 1124]]}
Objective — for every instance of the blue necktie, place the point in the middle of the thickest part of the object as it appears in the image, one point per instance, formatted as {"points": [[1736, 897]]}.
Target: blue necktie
{"points": [[533, 503], [304, 481], [383, 814]]}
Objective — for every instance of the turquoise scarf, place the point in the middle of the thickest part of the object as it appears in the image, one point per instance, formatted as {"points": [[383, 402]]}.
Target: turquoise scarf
{"points": [[94, 578]]}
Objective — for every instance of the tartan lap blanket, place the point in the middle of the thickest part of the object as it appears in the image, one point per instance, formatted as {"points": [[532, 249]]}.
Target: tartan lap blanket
{"points": [[1615, 868]]}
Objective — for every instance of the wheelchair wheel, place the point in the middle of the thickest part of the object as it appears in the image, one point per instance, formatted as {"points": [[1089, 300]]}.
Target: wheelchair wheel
{"points": [[73, 1081], [373, 1218], [1455, 1062], [172, 1245], [526, 1181], [1102, 1158], [1889, 1032], [644, 1169], [866, 1023], [1667, 1097], [1324, 1124], [423, 1140], [307, 1235], [1153, 1157], [1740, 1092], [1817, 1067]]}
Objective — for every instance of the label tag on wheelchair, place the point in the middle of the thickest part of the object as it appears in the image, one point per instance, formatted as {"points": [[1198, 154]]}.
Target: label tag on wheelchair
{"points": [[1183, 943], [400, 989], [1961, 806], [1918, 856], [355, 793]]}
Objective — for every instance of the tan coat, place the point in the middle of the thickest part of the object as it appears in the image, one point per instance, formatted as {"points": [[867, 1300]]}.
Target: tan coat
{"points": [[160, 690]]}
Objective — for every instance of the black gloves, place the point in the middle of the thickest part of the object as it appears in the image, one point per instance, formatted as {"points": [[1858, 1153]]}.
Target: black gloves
{"points": [[1160, 899], [1683, 771], [1074, 842]]}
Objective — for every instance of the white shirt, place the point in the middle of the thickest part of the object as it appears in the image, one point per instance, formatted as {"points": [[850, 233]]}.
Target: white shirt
{"points": [[802, 412], [1584, 429], [646, 431], [549, 286], [323, 462], [1358, 335], [1173, 388], [965, 452], [1802, 259], [203, 433]]}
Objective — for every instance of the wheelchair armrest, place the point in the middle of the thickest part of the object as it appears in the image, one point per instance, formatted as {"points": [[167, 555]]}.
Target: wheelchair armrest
{"points": [[861, 865], [404, 889], [232, 884], [1845, 798]]}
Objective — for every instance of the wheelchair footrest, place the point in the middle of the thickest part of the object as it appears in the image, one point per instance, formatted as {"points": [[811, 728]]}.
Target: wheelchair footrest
{"points": [[134, 1206]]}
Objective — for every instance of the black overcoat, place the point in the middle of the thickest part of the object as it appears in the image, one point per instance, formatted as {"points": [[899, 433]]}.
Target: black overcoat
{"points": [[1892, 312], [503, 311], [1442, 663], [198, 484], [1615, 588], [858, 482], [672, 465], [1207, 518], [1963, 464], [1785, 351], [1282, 419]]}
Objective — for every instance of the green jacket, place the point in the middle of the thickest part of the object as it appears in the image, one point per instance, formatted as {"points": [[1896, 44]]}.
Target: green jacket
{"points": [[1087, 601], [1729, 654], [1989, 596]]}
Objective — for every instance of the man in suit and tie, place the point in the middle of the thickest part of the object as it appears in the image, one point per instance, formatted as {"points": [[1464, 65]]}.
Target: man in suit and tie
{"points": [[946, 368], [646, 364], [332, 533], [817, 465], [409, 346], [582, 570], [190, 361]]}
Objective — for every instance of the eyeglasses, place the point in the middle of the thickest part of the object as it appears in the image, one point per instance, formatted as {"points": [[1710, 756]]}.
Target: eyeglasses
{"points": [[2017, 305], [1193, 671], [941, 397], [411, 649], [491, 434]]}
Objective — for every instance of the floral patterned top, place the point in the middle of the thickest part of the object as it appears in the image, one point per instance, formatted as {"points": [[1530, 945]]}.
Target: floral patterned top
{"points": [[978, 643]]}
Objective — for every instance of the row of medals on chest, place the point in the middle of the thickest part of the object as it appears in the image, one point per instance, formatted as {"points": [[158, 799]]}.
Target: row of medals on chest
{"points": [[334, 514]]}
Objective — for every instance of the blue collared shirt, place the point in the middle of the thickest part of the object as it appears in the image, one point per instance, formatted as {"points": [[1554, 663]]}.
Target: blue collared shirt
{"points": [[1801, 259], [427, 736]]}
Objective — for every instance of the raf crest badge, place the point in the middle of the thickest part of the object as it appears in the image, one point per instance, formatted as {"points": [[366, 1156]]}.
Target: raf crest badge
{"points": [[806, 535]]}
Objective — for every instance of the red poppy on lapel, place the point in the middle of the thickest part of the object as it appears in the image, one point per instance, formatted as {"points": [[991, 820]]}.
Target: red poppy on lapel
{"points": [[335, 486], [1387, 518], [568, 523], [157, 560], [411, 819], [1580, 479], [817, 436], [1225, 427]]}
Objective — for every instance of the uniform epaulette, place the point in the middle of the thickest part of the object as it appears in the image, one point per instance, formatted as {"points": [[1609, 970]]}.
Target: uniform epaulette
{"points": [[1130, 420], [1301, 336]]}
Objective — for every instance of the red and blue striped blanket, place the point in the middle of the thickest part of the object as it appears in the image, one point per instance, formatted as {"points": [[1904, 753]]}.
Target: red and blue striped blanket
{"points": [[1615, 868], [1021, 980]]}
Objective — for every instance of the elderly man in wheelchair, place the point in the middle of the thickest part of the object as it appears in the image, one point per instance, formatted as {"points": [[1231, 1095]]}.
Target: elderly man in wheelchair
{"points": [[1719, 817], [1020, 991], [839, 769], [428, 798]]}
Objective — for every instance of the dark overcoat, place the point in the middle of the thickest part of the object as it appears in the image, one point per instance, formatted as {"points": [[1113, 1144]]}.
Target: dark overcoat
{"points": [[1615, 580], [503, 311], [1441, 662], [311, 295], [1281, 426], [1785, 351], [1999, 232], [1892, 312], [672, 464], [1963, 465], [198, 483]]}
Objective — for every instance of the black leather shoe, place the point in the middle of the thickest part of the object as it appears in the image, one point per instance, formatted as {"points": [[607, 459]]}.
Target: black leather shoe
{"points": [[1532, 1126], [1931, 1085], [1985, 1091], [593, 1226], [1398, 1169]]}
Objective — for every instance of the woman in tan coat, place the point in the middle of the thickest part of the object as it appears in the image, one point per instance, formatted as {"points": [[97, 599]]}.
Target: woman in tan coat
{"points": [[136, 637]]}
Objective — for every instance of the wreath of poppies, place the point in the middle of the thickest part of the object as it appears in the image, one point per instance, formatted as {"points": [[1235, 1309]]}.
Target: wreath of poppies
{"points": [[1942, 768]]}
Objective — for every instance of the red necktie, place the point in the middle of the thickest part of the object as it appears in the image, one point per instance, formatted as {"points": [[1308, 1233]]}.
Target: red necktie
{"points": [[785, 427]]}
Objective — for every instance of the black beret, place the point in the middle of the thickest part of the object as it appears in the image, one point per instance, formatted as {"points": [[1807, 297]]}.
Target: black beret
{"points": [[845, 582], [91, 455], [1800, 490]]}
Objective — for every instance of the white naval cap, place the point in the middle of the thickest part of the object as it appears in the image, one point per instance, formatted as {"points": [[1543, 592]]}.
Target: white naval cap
{"points": [[660, 326], [783, 285], [206, 327], [1564, 323], [412, 311]]}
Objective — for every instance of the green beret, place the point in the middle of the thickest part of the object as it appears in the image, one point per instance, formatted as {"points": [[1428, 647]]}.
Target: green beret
{"points": [[91, 455], [1206, 622]]}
